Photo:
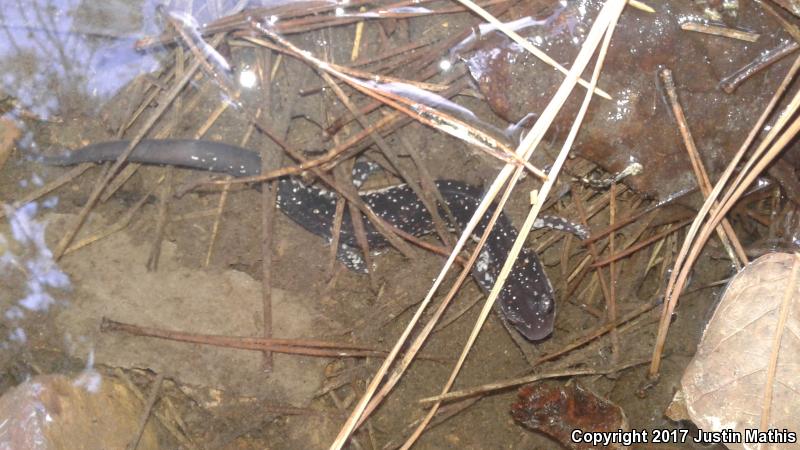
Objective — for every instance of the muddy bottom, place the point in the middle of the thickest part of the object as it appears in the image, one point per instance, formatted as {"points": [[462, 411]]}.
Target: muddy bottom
{"points": [[203, 273], [230, 387]]}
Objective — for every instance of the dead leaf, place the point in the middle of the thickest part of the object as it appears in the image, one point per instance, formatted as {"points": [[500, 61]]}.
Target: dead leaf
{"points": [[557, 411], [730, 383]]}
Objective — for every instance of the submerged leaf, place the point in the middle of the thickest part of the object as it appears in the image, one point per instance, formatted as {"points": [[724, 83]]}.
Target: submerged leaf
{"points": [[729, 384], [558, 411]]}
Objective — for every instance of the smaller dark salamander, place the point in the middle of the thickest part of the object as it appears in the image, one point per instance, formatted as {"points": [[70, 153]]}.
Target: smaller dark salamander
{"points": [[527, 301]]}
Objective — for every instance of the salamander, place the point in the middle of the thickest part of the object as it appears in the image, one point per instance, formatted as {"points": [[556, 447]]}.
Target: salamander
{"points": [[526, 302]]}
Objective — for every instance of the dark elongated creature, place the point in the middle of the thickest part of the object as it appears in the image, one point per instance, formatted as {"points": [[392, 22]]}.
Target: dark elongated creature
{"points": [[527, 301]]}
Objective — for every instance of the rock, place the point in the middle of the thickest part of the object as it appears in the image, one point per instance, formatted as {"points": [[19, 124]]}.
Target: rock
{"points": [[86, 413]]}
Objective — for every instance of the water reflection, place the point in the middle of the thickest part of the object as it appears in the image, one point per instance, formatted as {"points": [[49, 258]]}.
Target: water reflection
{"points": [[54, 53], [28, 263], [60, 60]]}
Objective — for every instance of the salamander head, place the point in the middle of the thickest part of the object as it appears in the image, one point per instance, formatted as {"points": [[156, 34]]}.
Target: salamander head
{"points": [[528, 300]]}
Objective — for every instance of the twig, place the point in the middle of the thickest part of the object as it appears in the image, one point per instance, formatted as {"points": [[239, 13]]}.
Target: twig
{"points": [[790, 28], [176, 72], [693, 243], [289, 346], [524, 43], [269, 198], [367, 403], [611, 306], [428, 187], [718, 30], [602, 29], [307, 19], [151, 401], [445, 412], [357, 39], [341, 407], [168, 418], [641, 6], [419, 111], [338, 217], [344, 172], [161, 220], [338, 151], [223, 199], [766, 59], [119, 225], [49, 187], [387, 151], [501, 385], [595, 254], [726, 234], [106, 177], [632, 218], [457, 314], [633, 249]]}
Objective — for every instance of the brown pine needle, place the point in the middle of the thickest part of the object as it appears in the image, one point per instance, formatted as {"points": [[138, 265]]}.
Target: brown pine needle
{"points": [[602, 29]]}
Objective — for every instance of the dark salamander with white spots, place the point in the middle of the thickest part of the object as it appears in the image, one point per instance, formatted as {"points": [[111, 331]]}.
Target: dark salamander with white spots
{"points": [[527, 301]]}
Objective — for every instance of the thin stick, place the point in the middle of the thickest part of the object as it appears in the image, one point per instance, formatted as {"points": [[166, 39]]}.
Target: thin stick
{"points": [[524, 43], [603, 26], [119, 225], [161, 220], [357, 39], [594, 252], [445, 412], [764, 60], [641, 6], [457, 315], [269, 199], [151, 401], [289, 346], [611, 306], [686, 258], [367, 404], [416, 110], [628, 220], [790, 28], [49, 187], [635, 248], [726, 234], [717, 30], [506, 269], [502, 385], [223, 200], [343, 173], [177, 71], [338, 150], [386, 150], [336, 234], [103, 181], [168, 418]]}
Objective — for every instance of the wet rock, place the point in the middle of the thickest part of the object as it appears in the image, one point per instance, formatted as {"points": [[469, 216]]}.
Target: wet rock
{"points": [[56, 412], [637, 124]]}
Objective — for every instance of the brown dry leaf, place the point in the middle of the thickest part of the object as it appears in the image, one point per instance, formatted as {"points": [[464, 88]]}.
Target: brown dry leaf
{"points": [[728, 383], [558, 410]]}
